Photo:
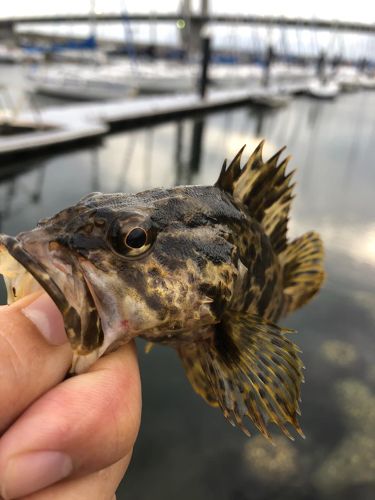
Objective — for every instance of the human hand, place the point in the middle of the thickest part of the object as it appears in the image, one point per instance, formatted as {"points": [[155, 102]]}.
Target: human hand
{"points": [[61, 439]]}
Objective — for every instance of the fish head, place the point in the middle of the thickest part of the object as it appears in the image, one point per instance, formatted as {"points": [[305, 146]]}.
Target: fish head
{"points": [[159, 264]]}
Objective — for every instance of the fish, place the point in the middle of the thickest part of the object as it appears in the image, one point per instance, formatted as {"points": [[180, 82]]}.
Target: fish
{"points": [[206, 270]]}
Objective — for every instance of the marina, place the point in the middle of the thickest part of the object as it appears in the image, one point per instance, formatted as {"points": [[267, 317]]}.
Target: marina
{"points": [[331, 143], [51, 127], [70, 124], [130, 101], [135, 89]]}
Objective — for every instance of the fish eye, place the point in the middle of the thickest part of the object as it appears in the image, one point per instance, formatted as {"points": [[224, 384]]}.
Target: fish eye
{"points": [[130, 240], [136, 238]]}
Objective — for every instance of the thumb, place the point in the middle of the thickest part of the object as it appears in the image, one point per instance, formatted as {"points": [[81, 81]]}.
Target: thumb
{"points": [[46, 317], [34, 353]]}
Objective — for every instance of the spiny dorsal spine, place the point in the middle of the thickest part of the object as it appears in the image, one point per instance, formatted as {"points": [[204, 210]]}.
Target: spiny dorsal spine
{"points": [[264, 188]]}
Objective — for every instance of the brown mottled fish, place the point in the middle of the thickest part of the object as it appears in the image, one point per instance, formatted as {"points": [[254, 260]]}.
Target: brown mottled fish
{"points": [[207, 270]]}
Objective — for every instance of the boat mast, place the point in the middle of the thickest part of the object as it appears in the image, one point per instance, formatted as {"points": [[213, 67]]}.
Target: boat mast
{"points": [[93, 26]]}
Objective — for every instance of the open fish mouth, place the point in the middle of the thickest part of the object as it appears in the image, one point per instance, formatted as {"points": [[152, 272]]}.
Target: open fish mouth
{"points": [[23, 274], [32, 262]]}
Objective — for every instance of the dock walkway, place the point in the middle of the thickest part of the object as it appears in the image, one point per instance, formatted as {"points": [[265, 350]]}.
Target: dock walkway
{"points": [[82, 122]]}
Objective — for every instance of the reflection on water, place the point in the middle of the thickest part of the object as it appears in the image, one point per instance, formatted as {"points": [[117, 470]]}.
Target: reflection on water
{"points": [[341, 353], [186, 450], [367, 300], [353, 460], [279, 461]]}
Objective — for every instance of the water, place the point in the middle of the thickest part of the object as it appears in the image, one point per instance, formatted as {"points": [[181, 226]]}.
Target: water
{"points": [[185, 449]]}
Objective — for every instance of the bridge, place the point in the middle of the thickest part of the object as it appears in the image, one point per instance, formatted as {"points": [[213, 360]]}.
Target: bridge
{"points": [[299, 23]]}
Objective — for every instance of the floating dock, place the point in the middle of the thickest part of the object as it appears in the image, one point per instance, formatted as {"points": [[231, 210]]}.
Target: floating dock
{"points": [[67, 125]]}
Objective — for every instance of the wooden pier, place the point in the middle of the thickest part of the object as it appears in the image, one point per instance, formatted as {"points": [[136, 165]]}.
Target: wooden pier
{"points": [[64, 126]]}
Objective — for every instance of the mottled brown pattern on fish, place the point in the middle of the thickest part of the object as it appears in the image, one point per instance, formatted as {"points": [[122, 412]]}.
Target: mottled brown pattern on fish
{"points": [[207, 270], [176, 302], [260, 288]]}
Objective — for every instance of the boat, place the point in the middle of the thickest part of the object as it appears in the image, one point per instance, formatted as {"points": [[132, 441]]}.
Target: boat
{"points": [[112, 81], [160, 77], [10, 55], [270, 98], [322, 89], [234, 75], [86, 84], [16, 55]]}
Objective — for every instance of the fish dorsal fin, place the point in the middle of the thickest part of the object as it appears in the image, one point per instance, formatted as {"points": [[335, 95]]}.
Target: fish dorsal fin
{"points": [[249, 368], [265, 189]]}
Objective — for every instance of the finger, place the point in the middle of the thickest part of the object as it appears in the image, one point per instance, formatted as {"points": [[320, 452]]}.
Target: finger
{"points": [[32, 359], [101, 485], [83, 425]]}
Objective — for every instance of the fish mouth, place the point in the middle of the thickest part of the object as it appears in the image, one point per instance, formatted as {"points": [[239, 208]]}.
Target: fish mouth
{"points": [[32, 261]]}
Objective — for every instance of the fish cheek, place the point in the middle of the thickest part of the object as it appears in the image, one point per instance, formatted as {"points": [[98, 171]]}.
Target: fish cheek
{"points": [[166, 292], [121, 291], [142, 280]]}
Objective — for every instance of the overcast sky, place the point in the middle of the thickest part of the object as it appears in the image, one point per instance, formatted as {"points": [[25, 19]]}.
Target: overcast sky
{"points": [[359, 10]]}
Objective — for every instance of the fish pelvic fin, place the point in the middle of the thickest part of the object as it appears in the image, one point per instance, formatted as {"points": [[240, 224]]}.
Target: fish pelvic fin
{"points": [[249, 368], [264, 188], [303, 270]]}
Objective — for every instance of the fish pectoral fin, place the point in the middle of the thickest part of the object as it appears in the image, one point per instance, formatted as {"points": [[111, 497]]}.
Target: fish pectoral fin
{"points": [[303, 270], [248, 368]]}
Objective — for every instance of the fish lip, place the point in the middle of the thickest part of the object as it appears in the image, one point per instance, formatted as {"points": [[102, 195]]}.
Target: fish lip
{"points": [[82, 324], [15, 248]]}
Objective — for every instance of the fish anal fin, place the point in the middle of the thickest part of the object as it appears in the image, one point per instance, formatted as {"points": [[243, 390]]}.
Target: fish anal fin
{"points": [[249, 368], [303, 271], [148, 347]]}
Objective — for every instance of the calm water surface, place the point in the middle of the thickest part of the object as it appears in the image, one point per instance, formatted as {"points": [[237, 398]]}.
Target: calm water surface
{"points": [[186, 450]]}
